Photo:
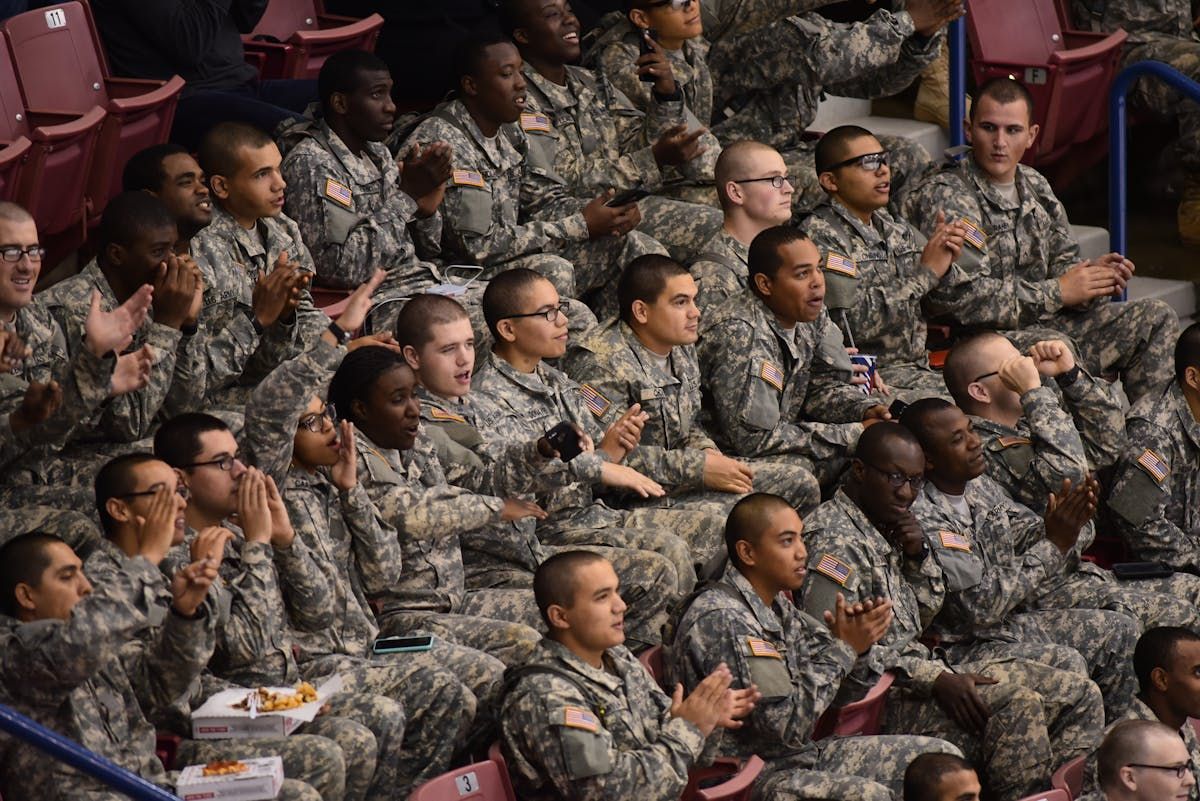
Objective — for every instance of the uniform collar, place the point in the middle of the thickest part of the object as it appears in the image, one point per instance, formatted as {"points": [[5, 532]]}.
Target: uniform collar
{"points": [[742, 252], [980, 178], [1189, 424], [870, 233], [560, 98], [351, 163], [768, 619], [871, 535], [610, 681], [648, 360]]}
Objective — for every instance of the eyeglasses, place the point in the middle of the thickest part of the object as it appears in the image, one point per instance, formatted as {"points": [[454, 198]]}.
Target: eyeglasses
{"points": [[316, 422], [180, 489], [1179, 770], [898, 480], [986, 375], [224, 463], [676, 5], [13, 254], [870, 162], [777, 181], [551, 314]]}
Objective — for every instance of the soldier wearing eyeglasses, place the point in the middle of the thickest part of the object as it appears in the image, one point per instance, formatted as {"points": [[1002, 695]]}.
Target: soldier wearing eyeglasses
{"points": [[1142, 760]]}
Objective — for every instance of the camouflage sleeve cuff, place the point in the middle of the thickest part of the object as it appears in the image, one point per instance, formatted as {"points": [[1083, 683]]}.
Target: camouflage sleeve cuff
{"points": [[687, 735], [1052, 292], [647, 167], [257, 553], [163, 336], [354, 499], [586, 467], [575, 228], [924, 280], [922, 673], [1052, 559], [901, 23]]}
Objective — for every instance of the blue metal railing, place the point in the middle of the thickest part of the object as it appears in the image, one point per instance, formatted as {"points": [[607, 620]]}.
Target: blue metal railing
{"points": [[1118, 182], [958, 80], [78, 757]]}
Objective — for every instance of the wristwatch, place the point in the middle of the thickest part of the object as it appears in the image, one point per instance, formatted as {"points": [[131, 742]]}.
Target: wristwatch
{"points": [[342, 337]]}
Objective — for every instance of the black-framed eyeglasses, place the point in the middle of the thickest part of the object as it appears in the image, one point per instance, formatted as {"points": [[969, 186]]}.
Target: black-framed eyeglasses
{"points": [[897, 480], [222, 462], [551, 314], [870, 162], [986, 375], [180, 489], [12, 253], [677, 5], [315, 422], [777, 181], [1179, 770]]}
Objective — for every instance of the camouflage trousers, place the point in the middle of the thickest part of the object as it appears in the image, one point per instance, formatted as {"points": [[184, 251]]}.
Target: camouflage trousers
{"points": [[75, 529], [682, 228], [865, 768], [314, 765], [1170, 601], [910, 382], [438, 706], [1040, 718], [1158, 97]]}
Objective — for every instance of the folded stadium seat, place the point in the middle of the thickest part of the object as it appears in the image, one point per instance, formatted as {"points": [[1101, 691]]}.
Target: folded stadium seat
{"points": [[1067, 72], [50, 178], [166, 745], [1049, 795], [61, 65], [294, 37], [1069, 777], [495, 754], [735, 776], [652, 660], [479, 781], [859, 717], [331, 301]]}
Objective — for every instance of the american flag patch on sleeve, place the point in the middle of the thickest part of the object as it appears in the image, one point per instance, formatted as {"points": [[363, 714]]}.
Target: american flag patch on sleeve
{"points": [[763, 648], [597, 404], [772, 375], [579, 718], [841, 264], [952, 539], [336, 190], [974, 236], [467, 178], [1154, 465], [535, 123], [833, 568]]}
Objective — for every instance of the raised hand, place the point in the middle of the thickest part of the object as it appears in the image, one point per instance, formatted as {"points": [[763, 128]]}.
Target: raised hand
{"points": [[105, 332], [38, 405], [254, 513], [678, 146], [1052, 357], [625, 434], [707, 705], [657, 66], [190, 585], [13, 350], [1069, 510], [273, 292], [132, 372], [282, 533], [423, 175], [860, 625], [156, 529], [344, 472], [358, 305], [1087, 281]]}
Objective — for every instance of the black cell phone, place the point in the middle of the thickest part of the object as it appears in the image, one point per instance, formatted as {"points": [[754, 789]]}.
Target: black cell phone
{"points": [[897, 408], [644, 47], [1132, 571], [628, 196], [396, 645], [566, 440]]}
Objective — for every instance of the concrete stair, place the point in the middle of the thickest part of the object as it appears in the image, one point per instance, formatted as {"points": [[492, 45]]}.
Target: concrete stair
{"points": [[835, 111], [1179, 295]]}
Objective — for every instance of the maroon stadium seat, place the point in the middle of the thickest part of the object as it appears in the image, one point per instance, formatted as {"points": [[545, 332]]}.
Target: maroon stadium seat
{"points": [[860, 717], [60, 65], [294, 37], [1068, 72], [1049, 795], [737, 777], [497, 755], [479, 781], [1069, 777]]}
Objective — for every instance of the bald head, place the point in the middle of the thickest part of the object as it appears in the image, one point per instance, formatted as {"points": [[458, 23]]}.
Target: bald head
{"points": [[1141, 742], [749, 520], [743, 159]]}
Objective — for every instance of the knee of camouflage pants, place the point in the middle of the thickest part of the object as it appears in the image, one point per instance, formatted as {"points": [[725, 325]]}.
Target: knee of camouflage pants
{"points": [[682, 228], [649, 587], [293, 790], [358, 750], [386, 720], [792, 482]]}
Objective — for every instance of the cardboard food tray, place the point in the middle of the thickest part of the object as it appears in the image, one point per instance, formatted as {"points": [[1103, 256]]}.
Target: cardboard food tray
{"points": [[261, 782], [217, 719]]}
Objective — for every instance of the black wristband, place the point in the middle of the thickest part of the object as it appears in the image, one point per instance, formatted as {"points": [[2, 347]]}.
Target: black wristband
{"points": [[1068, 378], [922, 556], [676, 94], [258, 327], [189, 330], [342, 337]]}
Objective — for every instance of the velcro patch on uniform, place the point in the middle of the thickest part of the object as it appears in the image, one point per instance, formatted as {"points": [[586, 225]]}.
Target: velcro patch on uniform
{"points": [[576, 717], [952, 539], [772, 375], [838, 263], [1154, 465], [974, 236], [535, 123], [441, 414], [763, 648], [833, 568], [1008, 442], [597, 404], [467, 178], [338, 191]]}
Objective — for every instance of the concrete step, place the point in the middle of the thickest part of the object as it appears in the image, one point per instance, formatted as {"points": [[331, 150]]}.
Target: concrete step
{"points": [[1093, 241], [1179, 295], [834, 111]]}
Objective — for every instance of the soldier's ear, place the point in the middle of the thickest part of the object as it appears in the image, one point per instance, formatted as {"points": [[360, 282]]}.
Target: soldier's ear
{"points": [[640, 20], [117, 510], [640, 312], [520, 36], [114, 253], [557, 617], [966, 124], [763, 284], [1158, 679], [468, 85], [828, 182], [1034, 130], [1191, 377], [859, 469], [745, 553], [506, 331], [337, 101], [412, 357], [24, 595], [219, 186], [358, 410], [979, 393]]}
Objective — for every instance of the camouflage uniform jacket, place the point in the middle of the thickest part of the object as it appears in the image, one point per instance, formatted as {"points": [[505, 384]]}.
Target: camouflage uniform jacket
{"points": [[496, 186], [763, 385], [847, 554], [1144, 20], [355, 549], [721, 270], [1050, 443], [874, 281], [177, 378], [614, 365], [796, 662], [602, 733], [1015, 252], [232, 259], [1156, 486], [411, 494], [995, 563], [353, 214], [69, 676], [45, 338]]}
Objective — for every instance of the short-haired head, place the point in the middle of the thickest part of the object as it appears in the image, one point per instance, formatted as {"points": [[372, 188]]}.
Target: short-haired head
{"points": [[177, 441], [748, 520], [344, 72], [23, 560], [924, 775], [554, 581], [920, 417], [117, 478], [1156, 650], [128, 217], [472, 51], [14, 212], [506, 295], [834, 146], [735, 164], [1003, 90], [967, 360], [645, 279], [144, 171], [1129, 742], [220, 149], [414, 324], [878, 443], [1187, 355], [764, 256]]}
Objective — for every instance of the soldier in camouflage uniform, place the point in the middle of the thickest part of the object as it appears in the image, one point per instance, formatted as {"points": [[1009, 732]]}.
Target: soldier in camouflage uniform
{"points": [[877, 267], [257, 308], [1155, 496], [766, 376], [584, 720], [765, 83], [505, 556], [1006, 708], [648, 357], [794, 660], [1020, 268], [505, 205], [601, 140]]}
